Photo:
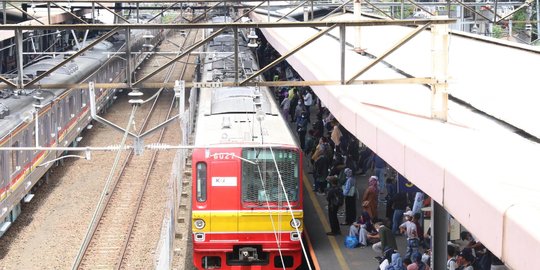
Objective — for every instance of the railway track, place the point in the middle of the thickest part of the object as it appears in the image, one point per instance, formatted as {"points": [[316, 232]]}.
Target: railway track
{"points": [[107, 244]]}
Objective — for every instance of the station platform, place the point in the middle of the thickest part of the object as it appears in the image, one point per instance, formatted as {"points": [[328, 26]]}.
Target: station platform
{"points": [[328, 251]]}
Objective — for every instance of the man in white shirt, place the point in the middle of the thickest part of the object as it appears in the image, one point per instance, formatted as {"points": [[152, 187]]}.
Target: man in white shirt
{"points": [[308, 101], [410, 230]]}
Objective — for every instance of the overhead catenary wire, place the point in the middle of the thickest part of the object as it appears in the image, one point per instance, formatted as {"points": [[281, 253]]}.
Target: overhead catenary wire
{"points": [[289, 206]]}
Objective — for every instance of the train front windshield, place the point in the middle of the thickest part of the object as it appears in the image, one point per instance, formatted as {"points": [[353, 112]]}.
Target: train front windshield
{"points": [[261, 171]]}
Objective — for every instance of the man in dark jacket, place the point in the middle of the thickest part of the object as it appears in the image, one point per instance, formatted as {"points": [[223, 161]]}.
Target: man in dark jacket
{"points": [[334, 199], [320, 172]]}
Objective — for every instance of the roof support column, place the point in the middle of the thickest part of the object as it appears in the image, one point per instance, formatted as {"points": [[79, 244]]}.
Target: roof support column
{"points": [[439, 236], [4, 10], [342, 44], [357, 30], [20, 64], [129, 72], [439, 93], [236, 52]]}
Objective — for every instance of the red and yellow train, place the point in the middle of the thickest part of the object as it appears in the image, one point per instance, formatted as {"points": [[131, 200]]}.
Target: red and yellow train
{"points": [[247, 208]]}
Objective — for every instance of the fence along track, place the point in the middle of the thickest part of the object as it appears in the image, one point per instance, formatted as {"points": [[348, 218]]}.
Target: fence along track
{"points": [[109, 239]]}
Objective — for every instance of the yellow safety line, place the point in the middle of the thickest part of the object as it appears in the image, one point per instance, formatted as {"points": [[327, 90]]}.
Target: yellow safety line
{"points": [[339, 255]]}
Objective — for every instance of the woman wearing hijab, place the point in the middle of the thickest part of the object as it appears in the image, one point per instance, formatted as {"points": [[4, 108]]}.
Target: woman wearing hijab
{"points": [[369, 200], [349, 191]]}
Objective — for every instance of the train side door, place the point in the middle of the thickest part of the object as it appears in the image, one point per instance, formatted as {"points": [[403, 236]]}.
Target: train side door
{"points": [[223, 196]]}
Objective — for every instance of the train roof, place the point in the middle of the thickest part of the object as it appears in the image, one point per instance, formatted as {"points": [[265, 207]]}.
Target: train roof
{"points": [[236, 115]]}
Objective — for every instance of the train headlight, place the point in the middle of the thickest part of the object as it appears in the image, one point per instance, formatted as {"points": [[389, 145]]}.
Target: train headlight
{"points": [[199, 224], [296, 223]]}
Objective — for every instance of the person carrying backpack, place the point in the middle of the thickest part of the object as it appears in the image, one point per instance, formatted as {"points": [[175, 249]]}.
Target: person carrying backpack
{"points": [[335, 201]]}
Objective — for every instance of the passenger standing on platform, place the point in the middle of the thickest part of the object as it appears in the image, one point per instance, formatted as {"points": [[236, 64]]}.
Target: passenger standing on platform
{"points": [[399, 204], [409, 228], [419, 229], [387, 239], [465, 259], [451, 264], [379, 169], [308, 101], [336, 134], [349, 191], [285, 107], [369, 200], [320, 172], [321, 149], [334, 198], [318, 126], [293, 96], [301, 127]]}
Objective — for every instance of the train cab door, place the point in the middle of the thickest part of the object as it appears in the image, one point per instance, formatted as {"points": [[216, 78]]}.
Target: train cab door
{"points": [[224, 194]]}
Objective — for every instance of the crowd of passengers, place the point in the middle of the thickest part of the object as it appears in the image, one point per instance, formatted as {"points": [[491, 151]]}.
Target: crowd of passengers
{"points": [[336, 158]]}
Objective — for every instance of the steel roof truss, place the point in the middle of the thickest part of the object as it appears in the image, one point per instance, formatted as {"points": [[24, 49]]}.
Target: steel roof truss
{"points": [[283, 57], [400, 43], [71, 13], [112, 11]]}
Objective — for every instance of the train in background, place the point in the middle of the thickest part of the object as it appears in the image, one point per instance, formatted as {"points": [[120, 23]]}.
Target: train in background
{"points": [[247, 202], [61, 114]]}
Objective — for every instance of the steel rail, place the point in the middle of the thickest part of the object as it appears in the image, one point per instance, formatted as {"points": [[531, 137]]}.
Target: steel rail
{"points": [[150, 166]]}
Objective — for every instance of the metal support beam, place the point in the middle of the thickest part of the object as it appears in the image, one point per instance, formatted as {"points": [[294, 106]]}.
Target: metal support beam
{"points": [[137, 12], [71, 13], [236, 52], [472, 10], [229, 24], [334, 10], [190, 49], [158, 85], [93, 12], [2, 79], [357, 30], [26, 13], [283, 57], [422, 8], [203, 15], [112, 11], [524, 5], [439, 52], [49, 13], [184, 53], [4, 10], [159, 13], [292, 10], [20, 63], [379, 10], [439, 236], [128, 58], [400, 43], [342, 43], [81, 51]]}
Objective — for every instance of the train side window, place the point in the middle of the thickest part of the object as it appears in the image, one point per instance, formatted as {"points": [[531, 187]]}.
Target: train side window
{"points": [[3, 177], [25, 142], [71, 105], [201, 182], [45, 131], [15, 158]]}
